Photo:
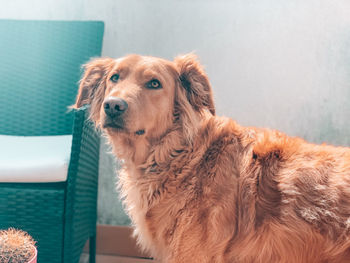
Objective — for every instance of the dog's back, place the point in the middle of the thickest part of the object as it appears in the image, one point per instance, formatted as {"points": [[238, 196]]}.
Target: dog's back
{"points": [[297, 197]]}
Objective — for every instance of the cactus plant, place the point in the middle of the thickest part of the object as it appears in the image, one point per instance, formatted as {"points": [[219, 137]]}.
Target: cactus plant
{"points": [[16, 246]]}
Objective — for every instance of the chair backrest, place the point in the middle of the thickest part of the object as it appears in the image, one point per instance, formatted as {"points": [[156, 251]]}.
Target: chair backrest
{"points": [[40, 67]]}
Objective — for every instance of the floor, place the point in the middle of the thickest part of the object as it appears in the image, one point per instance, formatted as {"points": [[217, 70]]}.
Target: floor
{"points": [[114, 259], [113, 241]]}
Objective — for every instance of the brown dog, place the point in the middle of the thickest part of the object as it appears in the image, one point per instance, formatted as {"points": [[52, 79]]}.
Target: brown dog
{"points": [[201, 188]]}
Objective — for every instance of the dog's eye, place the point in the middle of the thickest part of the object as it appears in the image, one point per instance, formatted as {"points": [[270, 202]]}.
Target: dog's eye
{"points": [[154, 84], [114, 78]]}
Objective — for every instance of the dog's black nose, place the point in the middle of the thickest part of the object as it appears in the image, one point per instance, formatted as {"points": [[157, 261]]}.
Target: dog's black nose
{"points": [[114, 106]]}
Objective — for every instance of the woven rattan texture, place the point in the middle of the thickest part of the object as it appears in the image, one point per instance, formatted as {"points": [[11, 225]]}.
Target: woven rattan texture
{"points": [[40, 70], [39, 210], [82, 186], [60, 216]]}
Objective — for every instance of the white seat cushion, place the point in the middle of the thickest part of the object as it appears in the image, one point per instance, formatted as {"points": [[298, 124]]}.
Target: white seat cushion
{"points": [[34, 158]]}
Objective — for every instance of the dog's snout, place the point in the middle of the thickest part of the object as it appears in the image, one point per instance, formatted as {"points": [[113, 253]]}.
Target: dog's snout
{"points": [[114, 106]]}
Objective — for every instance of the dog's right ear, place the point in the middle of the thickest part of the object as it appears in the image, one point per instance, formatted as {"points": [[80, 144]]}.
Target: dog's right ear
{"points": [[93, 84]]}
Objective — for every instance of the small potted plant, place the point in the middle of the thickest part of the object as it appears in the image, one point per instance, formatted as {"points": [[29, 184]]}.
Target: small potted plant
{"points": [[17, 246]]}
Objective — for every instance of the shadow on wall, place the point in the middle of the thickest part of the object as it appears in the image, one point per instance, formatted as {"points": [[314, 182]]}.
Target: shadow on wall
{"points": [[110, 209]]}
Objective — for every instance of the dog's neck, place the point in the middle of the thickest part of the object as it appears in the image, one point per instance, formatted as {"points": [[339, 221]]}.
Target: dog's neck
{"points": [[141, 150], [136, 150]]}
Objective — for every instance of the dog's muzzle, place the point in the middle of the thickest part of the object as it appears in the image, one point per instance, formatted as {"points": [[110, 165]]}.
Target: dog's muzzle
{"points": [[114, 108]]}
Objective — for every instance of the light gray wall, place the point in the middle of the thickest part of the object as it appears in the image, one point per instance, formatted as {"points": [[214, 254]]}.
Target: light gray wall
{"points": [[283, 64]]}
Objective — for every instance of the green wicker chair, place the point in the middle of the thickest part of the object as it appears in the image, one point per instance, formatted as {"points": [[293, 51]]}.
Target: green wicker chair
{"points": [[39, 73]]}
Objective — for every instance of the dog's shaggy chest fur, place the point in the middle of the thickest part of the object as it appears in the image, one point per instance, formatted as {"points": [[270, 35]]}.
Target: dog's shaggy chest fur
{"points": [[201, 188], [176, 202]]}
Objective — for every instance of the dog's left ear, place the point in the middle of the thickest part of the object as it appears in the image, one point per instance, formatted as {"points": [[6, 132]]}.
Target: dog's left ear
{"points": [[195, 82]]}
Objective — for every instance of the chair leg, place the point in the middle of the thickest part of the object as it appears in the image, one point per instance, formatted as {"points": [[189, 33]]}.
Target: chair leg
{"points": [[92, 248]]}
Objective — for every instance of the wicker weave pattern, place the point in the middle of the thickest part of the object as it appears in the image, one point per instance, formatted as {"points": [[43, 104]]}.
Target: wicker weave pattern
{"points": [[82, 186], [39, 60], [39, 210], [60, 216], [39, 74]]}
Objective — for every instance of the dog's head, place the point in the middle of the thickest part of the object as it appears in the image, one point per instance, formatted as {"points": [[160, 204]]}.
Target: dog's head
{"points": [[145, 96]]}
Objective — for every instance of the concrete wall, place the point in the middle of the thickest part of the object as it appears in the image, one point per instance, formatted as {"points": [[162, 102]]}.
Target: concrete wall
{"points": [[279, 64]]}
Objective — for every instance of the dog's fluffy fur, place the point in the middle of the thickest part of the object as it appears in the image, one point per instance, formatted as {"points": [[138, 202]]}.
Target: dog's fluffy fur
{"points": [[201, 188]]}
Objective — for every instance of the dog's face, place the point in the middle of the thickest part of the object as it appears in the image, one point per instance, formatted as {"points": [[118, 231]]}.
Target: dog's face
{"points": [[145, 96]]}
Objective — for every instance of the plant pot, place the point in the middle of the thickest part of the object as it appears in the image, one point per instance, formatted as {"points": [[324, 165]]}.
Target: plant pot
{"points": [[17, 246], [34, 258]]}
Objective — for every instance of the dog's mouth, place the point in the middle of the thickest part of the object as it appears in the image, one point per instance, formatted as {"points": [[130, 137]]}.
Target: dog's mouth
{"points": [[113, 126], [119, 126]]}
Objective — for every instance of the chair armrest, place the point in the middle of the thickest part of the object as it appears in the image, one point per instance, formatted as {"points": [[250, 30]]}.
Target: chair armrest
{"points": [[82, 184]]}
